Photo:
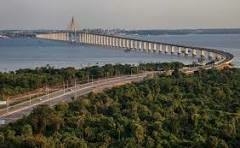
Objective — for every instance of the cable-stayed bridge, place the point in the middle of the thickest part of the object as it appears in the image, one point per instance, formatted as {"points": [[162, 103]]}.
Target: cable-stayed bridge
{"points": [[216, 58]]}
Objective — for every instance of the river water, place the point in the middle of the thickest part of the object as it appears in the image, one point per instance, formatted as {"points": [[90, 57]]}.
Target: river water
{"points": [[30, 53]]}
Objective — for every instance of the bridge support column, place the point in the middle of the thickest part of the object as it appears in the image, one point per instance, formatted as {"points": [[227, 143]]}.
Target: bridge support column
{"points": [[179, 50], [186, 52], [155, 47], [113, 42], [161, 48], [210, 56], [101, 40], [202, 53], [91, 39], [88, 38], [149, 47], [124, 43], [108, 41], [118, 43], [95, 39], [140, 45], [104, 41], [194, 52], [218, 57], [172, 50], [128, 46], [135, 44], [98, 40], [145, 46], [82, 38], [131, 44], [166, 49]]}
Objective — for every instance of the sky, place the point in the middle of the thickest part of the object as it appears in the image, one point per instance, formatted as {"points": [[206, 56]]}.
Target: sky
{"points": [[122, 14]]}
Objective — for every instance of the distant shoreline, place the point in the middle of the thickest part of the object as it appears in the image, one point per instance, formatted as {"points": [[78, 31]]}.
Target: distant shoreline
{"points": [[32, 33], [183, 31]]}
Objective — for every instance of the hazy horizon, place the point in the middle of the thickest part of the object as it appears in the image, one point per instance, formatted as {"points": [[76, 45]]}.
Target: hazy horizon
{"points": [[122, 14]]}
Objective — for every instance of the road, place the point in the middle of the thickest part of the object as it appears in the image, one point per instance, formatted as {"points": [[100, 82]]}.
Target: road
{"points": [[15, 112]]}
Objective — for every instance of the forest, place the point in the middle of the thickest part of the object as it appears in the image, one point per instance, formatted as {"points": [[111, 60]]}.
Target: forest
{"points": [[25, 80], [200, 110]]}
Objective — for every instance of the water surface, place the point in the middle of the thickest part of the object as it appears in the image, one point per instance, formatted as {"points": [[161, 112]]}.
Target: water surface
{"points": [[30, 53]]}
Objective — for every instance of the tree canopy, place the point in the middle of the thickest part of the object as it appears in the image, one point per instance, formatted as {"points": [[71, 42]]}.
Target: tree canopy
{"points": [[200, 110]]}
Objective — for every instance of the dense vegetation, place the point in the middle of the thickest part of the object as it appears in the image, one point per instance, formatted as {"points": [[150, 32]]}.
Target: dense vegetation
{"points": [[25, 80], [202, 110]]}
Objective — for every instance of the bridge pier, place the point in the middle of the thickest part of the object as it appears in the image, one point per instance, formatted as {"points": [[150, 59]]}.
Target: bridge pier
{"points": [[131, 44], [110, 42], [210, 56], [140, 46], [186, 52], [172, 50], [104, 41], [155, 47], [135, 45], [123, 45], [161, 48], [98, 40], [194, 52], [203, 57], [90, 39], [117, 42], [120, 43], [166, 49], [179, 50], [87, 40], [81, 38], [144, 46], [149, 47], [114, 42]]}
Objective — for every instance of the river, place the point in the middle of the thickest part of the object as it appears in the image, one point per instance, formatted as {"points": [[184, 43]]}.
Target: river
{"points": [[30, 53]]}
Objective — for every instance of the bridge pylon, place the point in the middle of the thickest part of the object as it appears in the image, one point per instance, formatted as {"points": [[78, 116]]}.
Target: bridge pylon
{"points": [[73, 28]]}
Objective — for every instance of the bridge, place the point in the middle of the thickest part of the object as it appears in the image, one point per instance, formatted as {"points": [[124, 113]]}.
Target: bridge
{"points": [[218, 59], [208, 58]]}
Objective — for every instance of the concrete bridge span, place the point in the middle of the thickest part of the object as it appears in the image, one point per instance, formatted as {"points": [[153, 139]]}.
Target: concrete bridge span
{"points": [[216, 58]]}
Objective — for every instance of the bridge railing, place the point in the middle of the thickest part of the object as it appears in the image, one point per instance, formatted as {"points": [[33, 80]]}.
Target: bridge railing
{"points": [[106, 40]]}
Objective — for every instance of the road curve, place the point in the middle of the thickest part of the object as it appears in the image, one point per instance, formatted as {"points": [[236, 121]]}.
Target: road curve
{"points": [[17, 111]]}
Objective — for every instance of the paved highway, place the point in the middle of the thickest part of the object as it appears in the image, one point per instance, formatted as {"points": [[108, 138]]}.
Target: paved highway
{"points": [[15, 112]]}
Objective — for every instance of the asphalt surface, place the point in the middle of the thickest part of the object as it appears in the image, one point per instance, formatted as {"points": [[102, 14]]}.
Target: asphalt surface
{"points": [[15, 112]]}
